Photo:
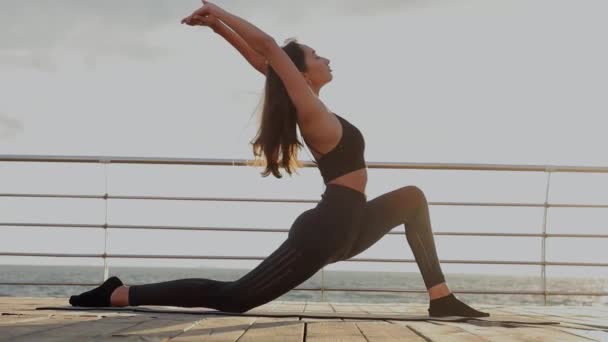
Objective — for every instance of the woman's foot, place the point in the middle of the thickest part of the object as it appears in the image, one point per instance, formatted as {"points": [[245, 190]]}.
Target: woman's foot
{"points": [[99, 296], [450, 306]]}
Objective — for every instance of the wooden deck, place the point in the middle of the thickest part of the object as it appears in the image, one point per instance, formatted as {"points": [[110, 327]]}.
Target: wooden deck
{"points": [[20, 321]]}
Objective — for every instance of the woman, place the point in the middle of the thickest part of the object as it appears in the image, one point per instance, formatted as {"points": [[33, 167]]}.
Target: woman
{"points": [[343, 224]]}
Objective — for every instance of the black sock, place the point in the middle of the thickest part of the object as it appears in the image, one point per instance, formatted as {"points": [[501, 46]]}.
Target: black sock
{"points": [[99, 296], [450, 306]]}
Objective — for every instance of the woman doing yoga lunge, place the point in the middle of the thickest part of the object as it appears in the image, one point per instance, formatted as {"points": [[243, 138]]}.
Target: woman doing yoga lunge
{"points": [[343, 223]]}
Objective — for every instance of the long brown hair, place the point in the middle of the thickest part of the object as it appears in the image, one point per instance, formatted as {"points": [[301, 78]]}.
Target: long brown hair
{"points": [[277, 136]]}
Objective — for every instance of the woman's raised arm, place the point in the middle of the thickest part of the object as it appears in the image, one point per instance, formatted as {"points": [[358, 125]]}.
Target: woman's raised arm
{"points": [[308, 105], [255, 38], [255, 59]]}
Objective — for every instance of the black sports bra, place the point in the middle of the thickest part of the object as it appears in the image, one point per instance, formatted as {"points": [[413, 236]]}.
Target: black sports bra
{"points": [[347, 155]]}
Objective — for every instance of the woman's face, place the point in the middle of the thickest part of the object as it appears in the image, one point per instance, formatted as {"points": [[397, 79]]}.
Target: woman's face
{"points": [[318, 72]]}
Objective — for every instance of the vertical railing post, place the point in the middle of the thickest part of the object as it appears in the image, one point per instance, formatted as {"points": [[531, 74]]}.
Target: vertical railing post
{"points": [[322, 284], [106, 267], [543, 253]]}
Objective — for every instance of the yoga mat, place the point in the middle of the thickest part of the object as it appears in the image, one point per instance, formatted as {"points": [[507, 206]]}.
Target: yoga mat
{"points": [[258, 313]]}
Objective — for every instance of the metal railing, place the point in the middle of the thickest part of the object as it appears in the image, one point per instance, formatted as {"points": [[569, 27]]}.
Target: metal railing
{"points": [[107, 160]]}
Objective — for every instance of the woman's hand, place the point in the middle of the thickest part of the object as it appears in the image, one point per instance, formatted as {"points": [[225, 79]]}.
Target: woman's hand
{"points": [[199, 17], [210, 21]]}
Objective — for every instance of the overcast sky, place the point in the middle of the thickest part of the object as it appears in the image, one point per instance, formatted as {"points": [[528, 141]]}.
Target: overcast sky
{"points": [[472, 81]]}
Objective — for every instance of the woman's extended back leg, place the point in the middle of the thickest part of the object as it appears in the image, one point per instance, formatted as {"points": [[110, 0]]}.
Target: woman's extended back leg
{"points": [[281, 271]]}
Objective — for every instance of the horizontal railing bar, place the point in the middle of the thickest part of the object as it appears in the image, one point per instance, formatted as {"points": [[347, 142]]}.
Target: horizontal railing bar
{"points": [[51, 225], [247, 162], [292, 200], [274, 230], [231, 257], [33, 195], [348, 289], [599, 206], [547, 235], [169, 198], [288, 200], [216, 199], [53, 255], [26, 283], [219, 229]]}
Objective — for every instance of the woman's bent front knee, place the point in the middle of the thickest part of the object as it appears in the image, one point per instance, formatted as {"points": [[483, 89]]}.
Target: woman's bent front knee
{"points": [[413, 194]]}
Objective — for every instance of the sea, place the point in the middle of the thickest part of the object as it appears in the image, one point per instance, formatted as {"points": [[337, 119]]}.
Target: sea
{"points": [[331, 279]]}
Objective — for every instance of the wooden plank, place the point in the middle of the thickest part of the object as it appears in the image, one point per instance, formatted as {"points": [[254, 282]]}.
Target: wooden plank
{"points": [[584, 326], [27, 329], [364, 313], [83, 330], [600, 307], [512, 312], [315, 319], [594, 335], [286, 307], [589, 311], [568, 327], [409, 308], [272, 329], [381, 331], [158, 328], [437, 331], [221, 328], [312, 307], [227, 328], [332, 306], [572, 321], [377, 309], [319, 307], [346, 308], [575, 315], [333, 331], [17, 319], [514, 332], [31, 302]]}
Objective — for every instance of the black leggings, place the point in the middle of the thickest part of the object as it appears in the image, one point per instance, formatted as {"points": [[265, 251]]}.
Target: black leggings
{"points": [[342, 225]]}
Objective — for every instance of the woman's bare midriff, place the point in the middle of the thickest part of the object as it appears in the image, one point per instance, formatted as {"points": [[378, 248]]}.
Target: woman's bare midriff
{"points": [[356, 180]]}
